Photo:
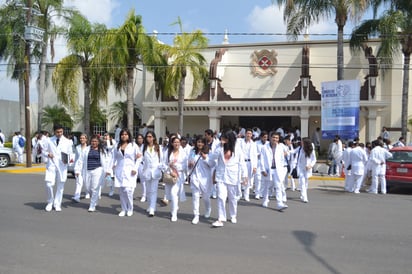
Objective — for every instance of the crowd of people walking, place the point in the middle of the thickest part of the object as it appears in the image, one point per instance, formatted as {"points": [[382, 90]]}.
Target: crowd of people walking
{"points": [[228, 166]]}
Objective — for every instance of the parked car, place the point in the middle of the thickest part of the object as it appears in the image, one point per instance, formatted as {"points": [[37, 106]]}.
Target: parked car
{"points": [[399, 167], [7, 157]]}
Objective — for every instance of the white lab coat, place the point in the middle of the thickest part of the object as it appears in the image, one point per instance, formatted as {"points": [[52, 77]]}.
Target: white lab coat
{"points": [[266, 157], [123, 165], [56, 166]]}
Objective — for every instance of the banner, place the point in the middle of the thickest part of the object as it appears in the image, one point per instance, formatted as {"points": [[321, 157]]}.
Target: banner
{"points": [[340, 109]]}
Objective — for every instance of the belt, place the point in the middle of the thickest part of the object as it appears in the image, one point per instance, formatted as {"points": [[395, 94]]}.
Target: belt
{"points": [[272, 167], [247, 160]]}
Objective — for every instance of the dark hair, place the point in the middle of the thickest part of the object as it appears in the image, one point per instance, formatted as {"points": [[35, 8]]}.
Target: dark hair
{"points": [[172, 138], [155, 143], [205, 148], [230, 136], [99, 144], [139, 135], [307, 146], [57, 126], [125, 130], [209, 132]]}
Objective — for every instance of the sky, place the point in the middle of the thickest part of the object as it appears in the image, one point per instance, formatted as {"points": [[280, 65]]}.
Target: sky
{"points": [[244, 21]]}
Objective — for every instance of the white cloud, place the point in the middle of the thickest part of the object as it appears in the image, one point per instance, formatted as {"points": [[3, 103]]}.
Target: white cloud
{"points": [[270, 20], [96, 11]]}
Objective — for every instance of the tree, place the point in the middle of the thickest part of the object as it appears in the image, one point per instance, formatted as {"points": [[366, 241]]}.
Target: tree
{"points": [[56, 115], [48, 9], [84, 43], [395, 30], [185, 56], [127, 46], [299, 14], [118, 113]]}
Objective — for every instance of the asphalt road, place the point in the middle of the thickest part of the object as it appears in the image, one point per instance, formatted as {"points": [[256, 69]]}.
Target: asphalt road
{"points": [[335, 232]]}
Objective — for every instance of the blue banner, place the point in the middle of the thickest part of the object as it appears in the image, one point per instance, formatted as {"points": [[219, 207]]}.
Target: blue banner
{"points": [[340, 109]]}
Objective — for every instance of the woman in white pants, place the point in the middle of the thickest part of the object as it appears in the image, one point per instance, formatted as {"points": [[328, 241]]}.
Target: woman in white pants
{"points": [[140, 140], [176, 161], [93, 163], [305, 163], [80, 177], [231, 171], [126, 160], [200, 178], [151, 170], [109, 145]]}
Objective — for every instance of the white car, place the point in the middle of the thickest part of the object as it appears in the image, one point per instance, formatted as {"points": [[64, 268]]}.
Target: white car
{"points": [[7, 157]]}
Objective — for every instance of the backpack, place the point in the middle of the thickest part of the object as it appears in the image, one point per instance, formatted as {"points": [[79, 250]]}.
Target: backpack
{"points": [[22, 142]]}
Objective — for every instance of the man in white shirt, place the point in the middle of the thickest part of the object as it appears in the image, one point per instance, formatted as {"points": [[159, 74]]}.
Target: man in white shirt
{"points": [[273, 167], [357, 162], [377, 161], [249, 150], [57, 149], [18, 149]]}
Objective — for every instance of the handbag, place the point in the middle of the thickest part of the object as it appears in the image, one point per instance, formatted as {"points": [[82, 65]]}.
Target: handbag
{"points": [[295, 173], [169, 179]]}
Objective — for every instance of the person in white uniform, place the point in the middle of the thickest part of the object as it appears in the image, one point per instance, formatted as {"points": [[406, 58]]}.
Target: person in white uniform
{"points": [[249, 150], [212, 143], [151, 169], [57, 149], [93, 163], [200, 169], [306, 160], [176, 162], [231, 171], [349, 183], [273, 167], [377, 162], [126, 160], [16, 146], [140, 140], [357, 162], [109, 144], [80, 177], [258, 176]]}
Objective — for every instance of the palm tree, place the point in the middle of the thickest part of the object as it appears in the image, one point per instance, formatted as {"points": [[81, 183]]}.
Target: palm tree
{"points": [[299, 14], [185, 56], [128, 45], [56, 115], [118, 113], [84, 44], [12, 46], [48, 9], [395, 29]]}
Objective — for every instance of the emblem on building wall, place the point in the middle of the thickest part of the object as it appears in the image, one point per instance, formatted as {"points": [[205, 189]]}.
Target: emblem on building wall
{"points": [[263, 63]]}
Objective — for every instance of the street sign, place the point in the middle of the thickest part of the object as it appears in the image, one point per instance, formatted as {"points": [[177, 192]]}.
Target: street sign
{"points": [[32, 33]]}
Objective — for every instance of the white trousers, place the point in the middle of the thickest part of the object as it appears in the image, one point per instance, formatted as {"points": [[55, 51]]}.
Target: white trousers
{"points": [[279, 189], [95, 179], [126, 198], [258, 183], [357, 182], [80, 181], [303, 184], [349, 182], [376, 179], [151, 193], [230, 192], [196, 192], [55, 199]]}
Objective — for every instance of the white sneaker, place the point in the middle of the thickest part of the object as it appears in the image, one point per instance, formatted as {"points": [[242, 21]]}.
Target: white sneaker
{"points": [[75, 199], [207, 214], [111, 193], [265, 204], [174, 218], [195, 220], [49, 207], [122, 213], [217, 224], [282, 207], [87, 196], [129, 213], [233, 220], [92, 209], [247, 199], [143, 199], [57, 208], [257, 197], [151, 213]]}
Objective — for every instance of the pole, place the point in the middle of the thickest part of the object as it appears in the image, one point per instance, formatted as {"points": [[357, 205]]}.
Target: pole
{"points": [[27, 91]]}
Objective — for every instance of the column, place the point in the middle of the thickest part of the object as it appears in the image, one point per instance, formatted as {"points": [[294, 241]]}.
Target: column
{"points": [[159, 124], [304, 122], [214, 119], [371, 133]]}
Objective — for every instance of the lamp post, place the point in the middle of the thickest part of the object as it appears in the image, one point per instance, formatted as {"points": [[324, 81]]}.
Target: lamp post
{"points": [[27, 90]]}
